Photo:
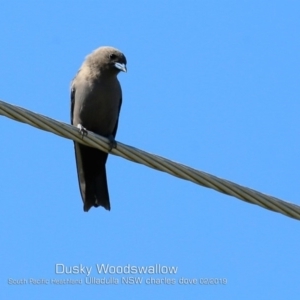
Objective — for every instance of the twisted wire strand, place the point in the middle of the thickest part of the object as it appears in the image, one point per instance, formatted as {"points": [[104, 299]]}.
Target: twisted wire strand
{"points": [[153, 161]]}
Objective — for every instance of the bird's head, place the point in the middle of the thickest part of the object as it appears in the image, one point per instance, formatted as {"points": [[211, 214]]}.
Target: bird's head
{"points": [[108, 60]]}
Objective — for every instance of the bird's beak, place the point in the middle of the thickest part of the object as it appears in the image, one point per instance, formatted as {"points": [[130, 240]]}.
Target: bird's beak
{"points": [[121, 67]]}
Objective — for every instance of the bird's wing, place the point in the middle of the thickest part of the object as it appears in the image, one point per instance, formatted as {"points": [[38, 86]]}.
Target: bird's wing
{"points": [[90, 164], [72, 101], [116, 126]]}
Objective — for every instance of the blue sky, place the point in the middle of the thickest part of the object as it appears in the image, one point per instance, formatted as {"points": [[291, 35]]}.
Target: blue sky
{"points": [[210, 84]]}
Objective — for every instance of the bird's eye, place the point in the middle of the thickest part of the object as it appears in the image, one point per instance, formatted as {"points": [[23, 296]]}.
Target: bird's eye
{"points": [[112, 56]]}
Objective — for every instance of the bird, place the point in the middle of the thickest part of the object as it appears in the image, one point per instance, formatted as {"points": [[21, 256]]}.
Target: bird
{"points": [[96, 99]]}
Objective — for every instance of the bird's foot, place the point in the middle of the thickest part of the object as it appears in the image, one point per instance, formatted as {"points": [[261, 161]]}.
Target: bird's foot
{"points": [[82, 130], [112, 143]]}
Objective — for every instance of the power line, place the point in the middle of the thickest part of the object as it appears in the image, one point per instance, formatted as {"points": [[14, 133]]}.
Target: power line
{"points": [[153, 161]]}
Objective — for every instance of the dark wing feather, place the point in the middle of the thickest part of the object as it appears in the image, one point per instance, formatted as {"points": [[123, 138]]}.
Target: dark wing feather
{"points": [[72, 102], [117, 123]]}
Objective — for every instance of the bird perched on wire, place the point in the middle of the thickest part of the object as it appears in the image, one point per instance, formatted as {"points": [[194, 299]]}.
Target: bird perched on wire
{"points": [[96, 99]]}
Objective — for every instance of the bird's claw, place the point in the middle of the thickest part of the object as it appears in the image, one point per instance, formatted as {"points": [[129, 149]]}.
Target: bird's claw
{"points": [[112, 143], [82, 130]]}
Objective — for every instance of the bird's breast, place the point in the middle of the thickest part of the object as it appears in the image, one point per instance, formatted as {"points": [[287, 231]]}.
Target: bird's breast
{"points": [[99, 109]]}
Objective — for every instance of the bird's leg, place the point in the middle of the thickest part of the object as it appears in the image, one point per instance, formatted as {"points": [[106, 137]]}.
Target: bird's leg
{"points": [[82, 130], [112, 142]]}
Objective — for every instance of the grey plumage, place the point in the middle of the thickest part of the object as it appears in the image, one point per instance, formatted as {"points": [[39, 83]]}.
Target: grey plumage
{"points": [[96, 99]]}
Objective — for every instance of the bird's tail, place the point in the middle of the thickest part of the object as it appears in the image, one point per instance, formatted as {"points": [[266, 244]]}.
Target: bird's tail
{"points": [[92, 176]]}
